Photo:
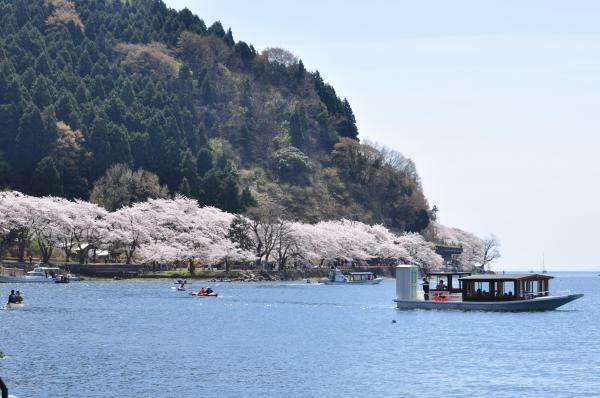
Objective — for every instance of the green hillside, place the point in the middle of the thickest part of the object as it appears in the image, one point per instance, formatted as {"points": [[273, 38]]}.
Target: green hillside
{"points": [[90, 83]]}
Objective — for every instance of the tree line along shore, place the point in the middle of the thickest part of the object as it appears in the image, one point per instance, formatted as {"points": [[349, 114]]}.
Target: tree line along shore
{"points": [[180, 231]]}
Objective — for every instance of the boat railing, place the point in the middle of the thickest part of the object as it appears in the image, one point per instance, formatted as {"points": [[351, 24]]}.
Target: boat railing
{"points": [[534, 294]]}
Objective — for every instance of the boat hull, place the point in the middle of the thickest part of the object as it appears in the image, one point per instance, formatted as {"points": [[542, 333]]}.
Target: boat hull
{"points": [[538, 304], [14, 306], [369, 282], [24, 279]]}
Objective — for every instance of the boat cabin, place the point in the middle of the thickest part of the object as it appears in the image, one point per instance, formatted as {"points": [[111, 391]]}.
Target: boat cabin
{"points": [[361, 276], [445, 286], [492, 287], [451, 281], [46, 272]]}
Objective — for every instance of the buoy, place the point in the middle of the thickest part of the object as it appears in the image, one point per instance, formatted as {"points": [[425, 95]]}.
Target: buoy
{"points": [[393, 321]]}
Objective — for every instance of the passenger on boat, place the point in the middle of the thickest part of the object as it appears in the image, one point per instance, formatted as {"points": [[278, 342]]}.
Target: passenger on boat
{"points": [[202, 291], [19, 298], [426, 288], [441, 285], [209, 291], [12, 298]]}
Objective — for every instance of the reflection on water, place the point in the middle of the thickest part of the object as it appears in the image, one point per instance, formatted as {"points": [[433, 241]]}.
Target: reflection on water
{"points": [[121, 339]]}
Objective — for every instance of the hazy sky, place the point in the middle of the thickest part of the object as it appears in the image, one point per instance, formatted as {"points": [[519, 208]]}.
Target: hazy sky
{"points": [[497, 102]]}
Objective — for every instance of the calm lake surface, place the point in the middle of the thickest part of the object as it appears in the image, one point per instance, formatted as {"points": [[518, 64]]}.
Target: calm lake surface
{"points": [[122, 339]]}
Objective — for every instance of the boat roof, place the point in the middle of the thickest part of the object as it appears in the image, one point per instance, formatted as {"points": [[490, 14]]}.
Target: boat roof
{"points": [[444, 273], [507, 277], [361, 273]]}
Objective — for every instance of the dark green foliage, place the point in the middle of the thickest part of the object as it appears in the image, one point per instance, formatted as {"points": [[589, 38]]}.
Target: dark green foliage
{"points": [[298, 127], [204, 161], [46, 178], [270, 123], [240, 233]]}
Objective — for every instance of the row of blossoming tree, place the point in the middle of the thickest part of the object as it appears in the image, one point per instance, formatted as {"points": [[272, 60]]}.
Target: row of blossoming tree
{"points": [[175, 230]]}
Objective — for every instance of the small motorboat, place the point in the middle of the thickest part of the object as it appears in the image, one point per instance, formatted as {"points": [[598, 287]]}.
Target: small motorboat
{"points": [[74, 278], [38, 275], [14, 306], [181, 281], [198, 294], [62, 279]]}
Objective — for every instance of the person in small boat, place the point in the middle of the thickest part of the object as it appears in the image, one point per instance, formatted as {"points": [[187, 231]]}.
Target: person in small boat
{"points": [[19, 298], [12, 297], [426, 288], [209, 291], [441, 285], [202, 291]]}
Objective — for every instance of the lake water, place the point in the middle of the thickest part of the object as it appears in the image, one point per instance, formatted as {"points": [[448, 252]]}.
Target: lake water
{"points": [[137, 339]]}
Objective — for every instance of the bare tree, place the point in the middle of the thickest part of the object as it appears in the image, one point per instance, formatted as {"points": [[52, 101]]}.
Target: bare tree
{"points": [[286, 245], [490, 251]]}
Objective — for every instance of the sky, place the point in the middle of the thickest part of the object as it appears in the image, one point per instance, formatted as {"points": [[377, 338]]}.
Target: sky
{"points": [[497, 102]]}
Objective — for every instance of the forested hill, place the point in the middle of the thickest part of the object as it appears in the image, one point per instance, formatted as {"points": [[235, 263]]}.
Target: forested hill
{"points": [[88, 84]]}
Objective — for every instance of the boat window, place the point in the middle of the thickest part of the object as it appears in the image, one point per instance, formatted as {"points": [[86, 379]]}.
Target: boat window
{"points": [[436, 281], [456, 283], [482, 289]]}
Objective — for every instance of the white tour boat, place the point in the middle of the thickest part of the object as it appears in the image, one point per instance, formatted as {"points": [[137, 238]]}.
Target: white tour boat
{"points": [[336, 277], [38, 275], [485, 292]]}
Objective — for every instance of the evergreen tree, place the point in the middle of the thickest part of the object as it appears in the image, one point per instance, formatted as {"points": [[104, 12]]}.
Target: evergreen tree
{"points": [[247, 200], [84, 66], [99, 145], [189, 172], [46, 178], [82, 94], [66, 110], [204, 161], [41, 92], [298, 127], [31, 143], [229, 38], [184, 188]]}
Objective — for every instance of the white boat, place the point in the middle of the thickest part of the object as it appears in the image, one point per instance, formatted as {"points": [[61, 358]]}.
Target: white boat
{"points": [[38, 275], [336, 277], [14, 306], [74, 278], [485, 292]]}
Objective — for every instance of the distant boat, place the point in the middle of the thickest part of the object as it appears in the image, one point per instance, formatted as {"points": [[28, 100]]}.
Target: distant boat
{"points": [[336, 277], [38, 275], [543, 265]]}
